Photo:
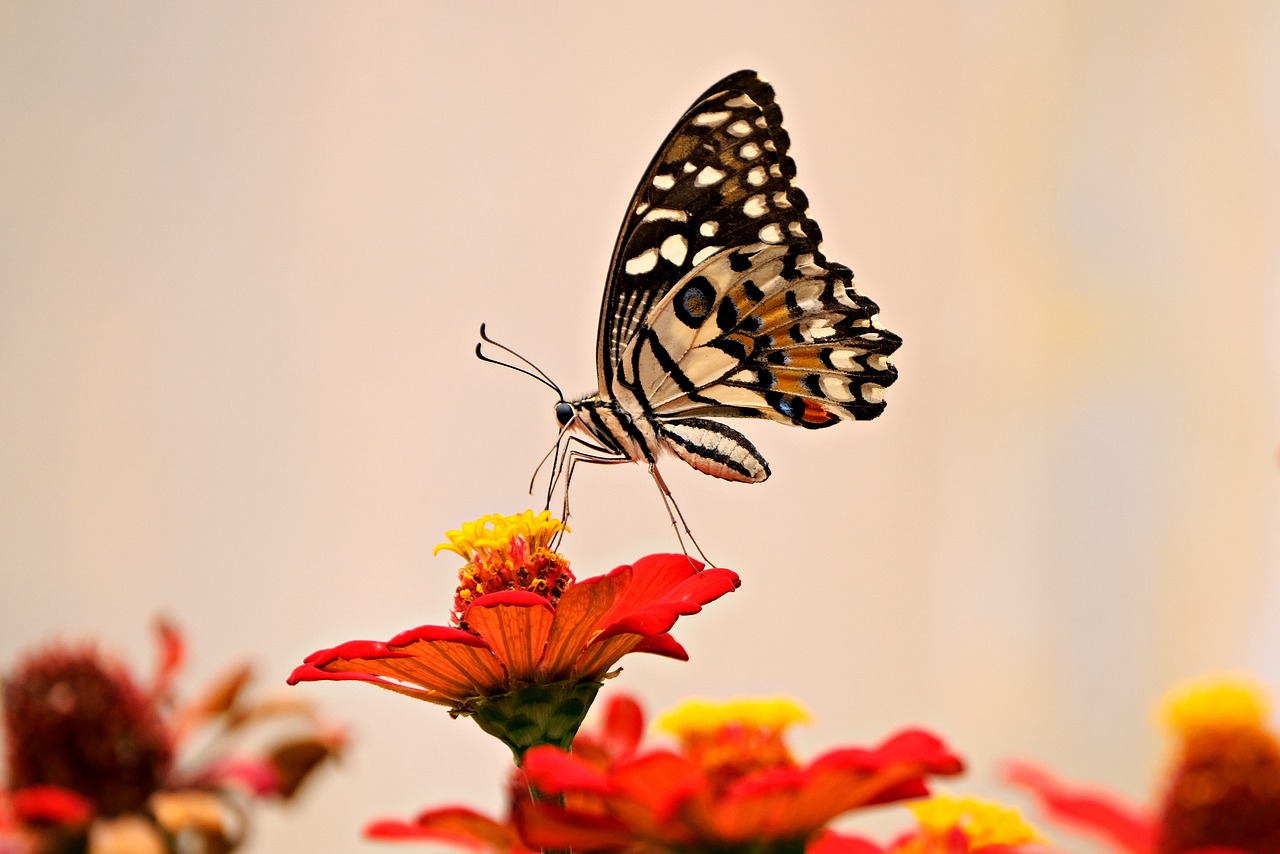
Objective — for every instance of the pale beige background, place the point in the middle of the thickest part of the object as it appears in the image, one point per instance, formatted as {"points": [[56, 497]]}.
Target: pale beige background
{"points": [[245, 247]]}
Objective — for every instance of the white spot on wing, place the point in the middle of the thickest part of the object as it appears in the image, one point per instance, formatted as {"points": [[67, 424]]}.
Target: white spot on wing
{"points": [[872, 393], [666, 213], [835, 388], [795, 229], [755, 206], [674, 248], [771, 233], [689, 167], [740, 128], [709, 228], [664, 182], [749, 151], [756, 176], [739, 101], [775, 170], [878, 362], [642, 263], [704, 253], [711, 120], [845, 360], [708, 176], [780, 199]]}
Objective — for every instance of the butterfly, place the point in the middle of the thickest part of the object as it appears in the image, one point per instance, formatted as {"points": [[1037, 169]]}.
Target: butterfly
{"points": [[719, 303]]}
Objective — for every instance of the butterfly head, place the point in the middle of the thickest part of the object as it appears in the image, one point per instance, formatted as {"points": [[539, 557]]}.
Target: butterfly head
{"points": [[565, 413]]}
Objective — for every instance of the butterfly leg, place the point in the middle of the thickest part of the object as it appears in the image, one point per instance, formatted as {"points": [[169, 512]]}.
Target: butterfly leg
{"points": [[574, 454], [673, 513]]}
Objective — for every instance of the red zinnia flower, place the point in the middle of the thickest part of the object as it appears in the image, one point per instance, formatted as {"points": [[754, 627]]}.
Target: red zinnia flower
{"points": [[95, 758], [1223, 795], [530, 644], [731, 785]]}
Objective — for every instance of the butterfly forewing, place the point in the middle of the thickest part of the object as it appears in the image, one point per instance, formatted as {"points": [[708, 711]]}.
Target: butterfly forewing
{"points": [[720, 301], [720, 180]]}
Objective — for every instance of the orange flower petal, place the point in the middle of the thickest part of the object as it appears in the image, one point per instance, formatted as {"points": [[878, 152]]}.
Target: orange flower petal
{"points": [[578, 617], [597, 658], [434, 663], [515, 623]]}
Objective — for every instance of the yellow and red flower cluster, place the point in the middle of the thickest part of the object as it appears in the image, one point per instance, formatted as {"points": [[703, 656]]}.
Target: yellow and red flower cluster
{"points": [[531, 645], [729, 783]]}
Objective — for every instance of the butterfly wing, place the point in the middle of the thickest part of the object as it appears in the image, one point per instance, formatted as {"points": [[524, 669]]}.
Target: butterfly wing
{"points": [[720, 301], [683, 204]]}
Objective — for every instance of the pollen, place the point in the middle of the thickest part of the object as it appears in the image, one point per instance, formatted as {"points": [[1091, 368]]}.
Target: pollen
{"points": [[982, 822], [507, 553]]}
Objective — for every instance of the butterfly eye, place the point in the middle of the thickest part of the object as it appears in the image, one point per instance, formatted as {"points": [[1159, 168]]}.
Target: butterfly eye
{"points": [[564, 413]]}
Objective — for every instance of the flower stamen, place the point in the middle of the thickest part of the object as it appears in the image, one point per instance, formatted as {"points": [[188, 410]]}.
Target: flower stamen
{"points": [[507, 553]]}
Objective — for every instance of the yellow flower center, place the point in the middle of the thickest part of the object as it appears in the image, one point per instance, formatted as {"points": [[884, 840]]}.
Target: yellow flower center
{"points": [[1224, 789], [982, 822], [507, 553], [1229, 702], [733, 739]]}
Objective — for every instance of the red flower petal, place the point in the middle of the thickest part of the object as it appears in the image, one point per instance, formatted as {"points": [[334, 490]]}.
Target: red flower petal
{"points": [[665, 587], [623, 725], [1092, 811], [554, 772], [660, 780], [51, 805], [830, 842], [791, 802], [663, 644], [454, 825], [907, 746], [554, 828], [173, 651], [516, 624]]}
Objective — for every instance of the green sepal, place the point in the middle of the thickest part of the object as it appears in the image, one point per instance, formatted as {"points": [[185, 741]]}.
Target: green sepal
{"points": [[531, 715]]}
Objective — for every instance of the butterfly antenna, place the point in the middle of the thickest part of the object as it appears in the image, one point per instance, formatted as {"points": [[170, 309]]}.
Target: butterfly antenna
{"points": [[537, 373]]}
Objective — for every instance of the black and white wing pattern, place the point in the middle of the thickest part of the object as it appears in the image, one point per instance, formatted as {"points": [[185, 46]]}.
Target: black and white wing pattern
{"points": [[719, 300]]}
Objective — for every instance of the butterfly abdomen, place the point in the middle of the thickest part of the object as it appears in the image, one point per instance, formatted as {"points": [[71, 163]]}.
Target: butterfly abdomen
{"points": [[714, 449]]}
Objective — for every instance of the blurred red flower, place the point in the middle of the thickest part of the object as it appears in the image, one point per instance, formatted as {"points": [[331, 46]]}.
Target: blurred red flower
{"points": [[462, 827], [731, 785], [1222, 795], [95, 759]]}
